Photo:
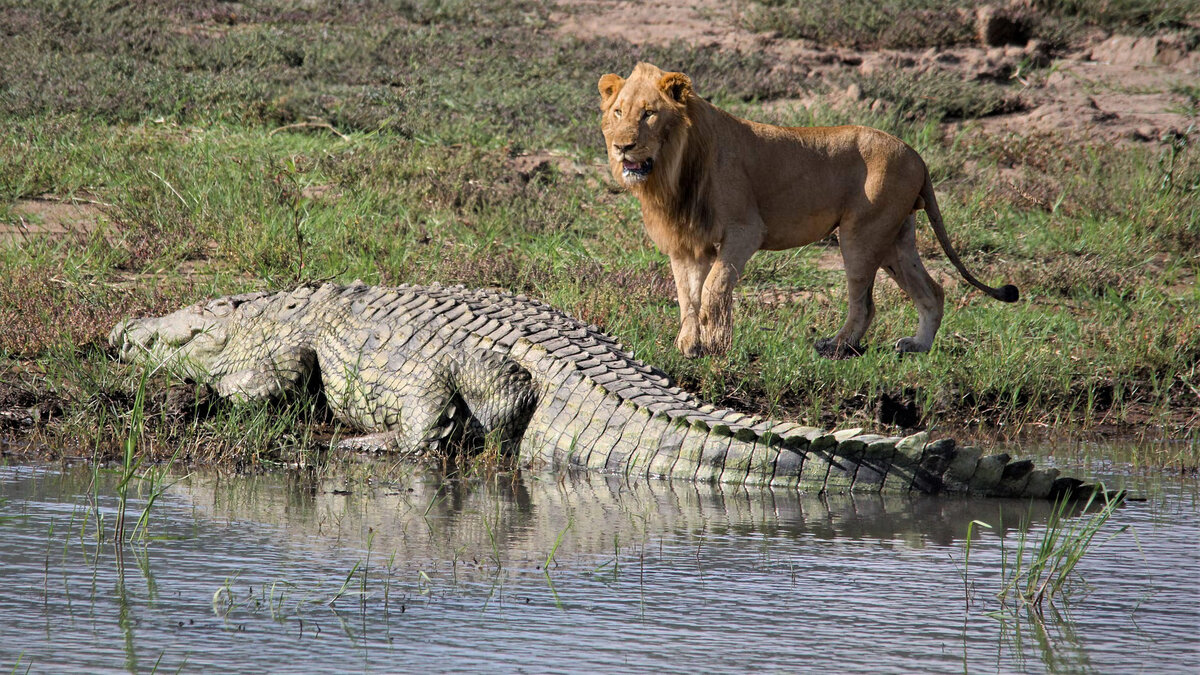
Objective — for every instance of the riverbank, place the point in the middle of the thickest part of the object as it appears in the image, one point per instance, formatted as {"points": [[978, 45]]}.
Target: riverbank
{"points": [[151, 157]]}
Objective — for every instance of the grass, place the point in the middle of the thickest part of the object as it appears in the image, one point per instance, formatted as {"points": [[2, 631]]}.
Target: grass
{"points": [[219, 151], [939, 94], [1043, 575], [1040, 570]]}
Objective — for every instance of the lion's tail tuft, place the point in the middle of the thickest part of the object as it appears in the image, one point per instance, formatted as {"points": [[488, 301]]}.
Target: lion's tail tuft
{"points": [[1007, 293]]}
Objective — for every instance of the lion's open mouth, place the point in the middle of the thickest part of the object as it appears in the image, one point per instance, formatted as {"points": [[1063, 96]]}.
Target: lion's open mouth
{"points": [[636, 171]]}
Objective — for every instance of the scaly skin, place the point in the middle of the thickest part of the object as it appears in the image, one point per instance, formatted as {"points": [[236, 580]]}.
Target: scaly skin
{"points": [[423, 367]]}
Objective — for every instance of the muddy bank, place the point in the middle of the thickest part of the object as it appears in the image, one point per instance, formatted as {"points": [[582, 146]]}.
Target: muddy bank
{"points": [[36, 422]]}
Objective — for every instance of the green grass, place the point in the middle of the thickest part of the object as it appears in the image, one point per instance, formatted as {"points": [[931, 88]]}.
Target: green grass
{"points": [[166, 121], [1041, 570]]}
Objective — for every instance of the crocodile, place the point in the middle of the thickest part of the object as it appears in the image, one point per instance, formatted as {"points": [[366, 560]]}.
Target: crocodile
{"points": [[419, 368]]}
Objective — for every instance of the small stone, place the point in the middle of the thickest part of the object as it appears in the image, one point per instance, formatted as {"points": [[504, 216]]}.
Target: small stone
{"points": [[854, 92], [1144, 134]]}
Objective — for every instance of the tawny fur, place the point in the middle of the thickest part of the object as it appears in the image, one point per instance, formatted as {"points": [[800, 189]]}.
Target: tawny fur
{"points": [[718, 188]]}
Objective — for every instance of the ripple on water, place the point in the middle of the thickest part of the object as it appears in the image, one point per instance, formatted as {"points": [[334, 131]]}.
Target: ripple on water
{"points": [[647, 577]]}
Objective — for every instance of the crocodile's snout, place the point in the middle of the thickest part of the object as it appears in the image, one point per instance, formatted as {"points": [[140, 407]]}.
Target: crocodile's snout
{"points": [[186, 333]]}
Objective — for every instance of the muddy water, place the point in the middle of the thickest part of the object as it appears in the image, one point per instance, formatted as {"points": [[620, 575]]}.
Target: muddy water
{"points": [[416, 573]]}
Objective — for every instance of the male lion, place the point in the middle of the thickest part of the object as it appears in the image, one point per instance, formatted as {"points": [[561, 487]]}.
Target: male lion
{"points": [[714, 189]]}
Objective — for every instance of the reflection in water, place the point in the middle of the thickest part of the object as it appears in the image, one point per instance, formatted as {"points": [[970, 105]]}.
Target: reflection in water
{"points": [[519, 517], [417, 572]]}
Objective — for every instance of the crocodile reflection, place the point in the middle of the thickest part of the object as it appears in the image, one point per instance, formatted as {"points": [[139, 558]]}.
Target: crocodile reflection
{"points": [[519, 517]]}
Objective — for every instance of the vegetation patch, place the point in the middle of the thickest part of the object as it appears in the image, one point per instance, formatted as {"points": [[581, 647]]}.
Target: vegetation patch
{"points": [[226, 147]]}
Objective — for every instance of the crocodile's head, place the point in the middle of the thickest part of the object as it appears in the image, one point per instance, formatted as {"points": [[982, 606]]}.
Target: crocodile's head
{"points": [[193, 342]]}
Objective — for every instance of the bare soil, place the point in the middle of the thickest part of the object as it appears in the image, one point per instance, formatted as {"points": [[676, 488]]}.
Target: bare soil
{"points": [[1105, 89], [56, 218]]}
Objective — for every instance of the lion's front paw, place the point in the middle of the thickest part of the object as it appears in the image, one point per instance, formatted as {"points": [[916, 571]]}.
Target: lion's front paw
{"points": [[688, 342], [908, 345], [717, 340], [831, 348], [716, 328]]}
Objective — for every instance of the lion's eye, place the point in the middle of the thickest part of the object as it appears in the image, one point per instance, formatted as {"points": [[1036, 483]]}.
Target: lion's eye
{"points": [[647, 114], [617, 113]]}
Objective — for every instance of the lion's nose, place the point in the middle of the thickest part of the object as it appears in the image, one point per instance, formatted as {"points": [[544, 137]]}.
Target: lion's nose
{"points": [[624, 147]]}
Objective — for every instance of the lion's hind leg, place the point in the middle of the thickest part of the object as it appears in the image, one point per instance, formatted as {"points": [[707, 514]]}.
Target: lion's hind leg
{"points": [[861, 264], [904, 265]]}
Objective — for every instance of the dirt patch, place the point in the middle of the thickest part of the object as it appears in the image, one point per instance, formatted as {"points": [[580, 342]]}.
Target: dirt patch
{"points": [[1109, 89], [530, 165], [56, 218], [703, 22]]}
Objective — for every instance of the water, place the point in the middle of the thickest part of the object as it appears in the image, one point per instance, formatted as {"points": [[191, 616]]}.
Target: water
{"points": [[296, 573]]}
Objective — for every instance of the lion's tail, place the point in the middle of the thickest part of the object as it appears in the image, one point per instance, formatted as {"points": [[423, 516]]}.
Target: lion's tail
{"points": [[1006, 293]]}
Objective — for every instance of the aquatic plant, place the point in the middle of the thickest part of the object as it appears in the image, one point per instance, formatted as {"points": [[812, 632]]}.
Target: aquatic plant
{"points": [[1039, 569], [557, 541], [966, 569], [1052, 560], [131, 460]]}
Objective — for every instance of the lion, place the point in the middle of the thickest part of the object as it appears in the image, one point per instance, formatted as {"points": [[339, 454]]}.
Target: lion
{"points": [[714, 189]]}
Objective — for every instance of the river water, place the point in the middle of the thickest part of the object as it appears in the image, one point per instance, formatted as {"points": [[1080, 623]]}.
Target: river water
{"points": [[389, 569]]}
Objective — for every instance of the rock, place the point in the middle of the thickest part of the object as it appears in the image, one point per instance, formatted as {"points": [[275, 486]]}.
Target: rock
{"points": [[993, 65], [873, 63], [996, 26], [854, 92], [1144, 134], [1125, 50]]}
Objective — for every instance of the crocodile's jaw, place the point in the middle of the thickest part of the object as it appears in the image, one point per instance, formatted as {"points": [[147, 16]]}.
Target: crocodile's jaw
{"points": [[188, 342]]}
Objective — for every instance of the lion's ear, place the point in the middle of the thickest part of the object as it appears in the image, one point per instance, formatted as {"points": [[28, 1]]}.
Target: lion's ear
{"points": [[609, 86], [677, 86]]}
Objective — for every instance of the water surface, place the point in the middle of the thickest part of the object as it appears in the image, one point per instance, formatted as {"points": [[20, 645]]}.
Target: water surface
{"points": [[293, 572]]}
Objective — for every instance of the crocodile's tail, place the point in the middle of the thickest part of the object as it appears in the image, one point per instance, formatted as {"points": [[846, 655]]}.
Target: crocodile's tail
{"points": [[601, 408], [706, 444]]}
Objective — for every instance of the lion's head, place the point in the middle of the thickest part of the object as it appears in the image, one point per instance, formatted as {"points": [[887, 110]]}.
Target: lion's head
{"points": [[644, 121]]}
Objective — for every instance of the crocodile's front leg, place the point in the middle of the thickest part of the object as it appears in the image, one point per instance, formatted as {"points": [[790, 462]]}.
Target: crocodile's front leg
{"points": [[281, 373], [455, 398]]}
